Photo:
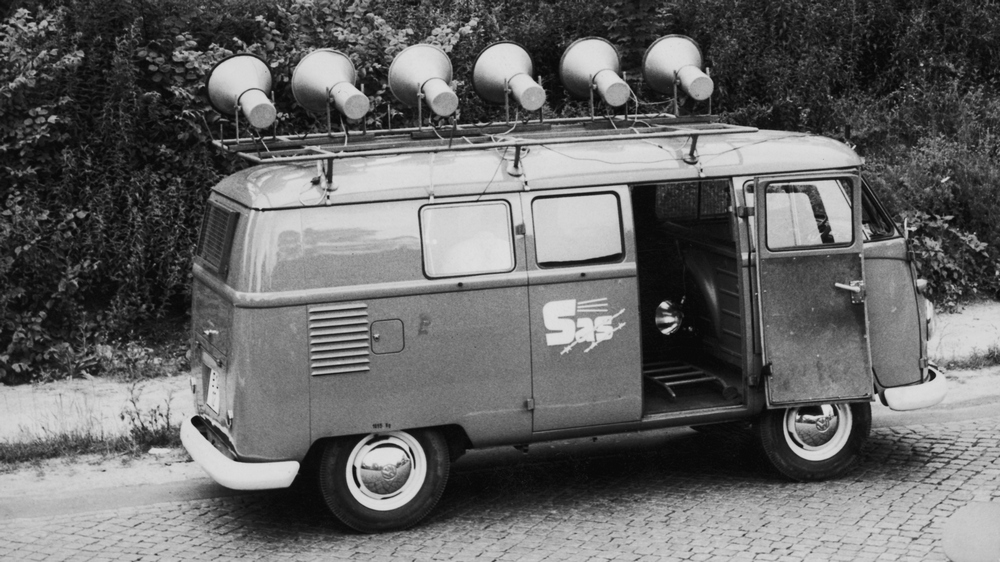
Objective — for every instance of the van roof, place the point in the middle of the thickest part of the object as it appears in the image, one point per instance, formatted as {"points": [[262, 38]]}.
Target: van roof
{"points": [[623, 160]]}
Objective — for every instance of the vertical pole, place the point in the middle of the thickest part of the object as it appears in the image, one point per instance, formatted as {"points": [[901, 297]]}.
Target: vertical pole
{"points": [[420, 111], [592, 86]]}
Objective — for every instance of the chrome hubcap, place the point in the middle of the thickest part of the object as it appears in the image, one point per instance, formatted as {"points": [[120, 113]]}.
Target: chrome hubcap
{"points": [[385, 471], [817, 433]]}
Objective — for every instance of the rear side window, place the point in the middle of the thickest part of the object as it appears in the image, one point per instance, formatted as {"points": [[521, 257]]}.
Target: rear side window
{"points": [[690, 201], [814, 213], [577, 230], [216, 240], [467, 239]]}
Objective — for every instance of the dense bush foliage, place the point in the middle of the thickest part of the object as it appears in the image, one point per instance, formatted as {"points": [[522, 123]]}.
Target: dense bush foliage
{"points": [[104, 163]]}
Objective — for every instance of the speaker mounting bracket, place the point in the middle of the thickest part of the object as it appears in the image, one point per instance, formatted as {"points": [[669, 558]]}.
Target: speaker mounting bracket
{"points": [[514, 169], [692, 155]]}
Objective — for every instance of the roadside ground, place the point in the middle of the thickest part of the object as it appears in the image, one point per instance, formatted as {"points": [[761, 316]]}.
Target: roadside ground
{"points": [[91, 482]]}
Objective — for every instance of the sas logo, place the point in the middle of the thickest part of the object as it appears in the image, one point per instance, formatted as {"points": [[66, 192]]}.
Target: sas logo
{"points": [[567, 326]]}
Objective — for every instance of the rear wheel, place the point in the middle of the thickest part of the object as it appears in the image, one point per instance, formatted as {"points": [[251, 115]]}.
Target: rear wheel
{"points": [[384, 481], [814, 442]]}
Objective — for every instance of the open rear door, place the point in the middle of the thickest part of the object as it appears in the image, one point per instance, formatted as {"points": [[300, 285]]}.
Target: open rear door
{"points": [[810, 278]]}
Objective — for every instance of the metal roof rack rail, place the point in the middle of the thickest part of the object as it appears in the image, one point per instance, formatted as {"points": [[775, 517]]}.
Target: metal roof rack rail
{"points": [[392, 142]]}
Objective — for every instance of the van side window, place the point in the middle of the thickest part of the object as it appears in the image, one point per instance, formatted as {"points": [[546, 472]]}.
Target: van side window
{"points": [[577, 229], [808, 214], [467, 239], [875, 222], [690, 201]]}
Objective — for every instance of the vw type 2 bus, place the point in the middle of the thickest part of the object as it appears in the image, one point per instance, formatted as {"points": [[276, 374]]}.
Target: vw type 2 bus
{"points": [[384, 301]]}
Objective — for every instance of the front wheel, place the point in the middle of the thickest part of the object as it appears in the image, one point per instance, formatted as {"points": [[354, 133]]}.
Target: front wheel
{"points": [[814, 442], [384, 481]]}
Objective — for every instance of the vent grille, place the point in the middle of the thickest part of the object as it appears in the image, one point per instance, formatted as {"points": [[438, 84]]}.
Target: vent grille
{"points": [[217, 237], [338, 339]]}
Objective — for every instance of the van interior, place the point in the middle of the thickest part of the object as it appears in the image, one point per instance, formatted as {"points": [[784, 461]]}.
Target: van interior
{"points": [[688, 268]]}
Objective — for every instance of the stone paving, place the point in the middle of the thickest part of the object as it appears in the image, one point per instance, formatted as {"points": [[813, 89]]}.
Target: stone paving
{"points": [[693, 497]]}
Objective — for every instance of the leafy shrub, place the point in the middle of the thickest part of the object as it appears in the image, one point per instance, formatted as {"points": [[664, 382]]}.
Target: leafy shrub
{"points": [[955, 262]]}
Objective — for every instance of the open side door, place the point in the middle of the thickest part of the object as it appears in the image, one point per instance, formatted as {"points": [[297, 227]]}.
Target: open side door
{"points": [[811, 289]]}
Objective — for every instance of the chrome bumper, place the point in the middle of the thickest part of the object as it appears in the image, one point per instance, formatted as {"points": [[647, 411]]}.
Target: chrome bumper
{"points": [[234, 474], [923, 395]]}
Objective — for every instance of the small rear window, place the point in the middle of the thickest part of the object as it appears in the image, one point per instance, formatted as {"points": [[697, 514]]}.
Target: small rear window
{"points": [[216, 239]]}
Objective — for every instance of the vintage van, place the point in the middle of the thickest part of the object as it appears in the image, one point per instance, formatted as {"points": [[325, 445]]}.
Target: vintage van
{"points": [[384, 302]]}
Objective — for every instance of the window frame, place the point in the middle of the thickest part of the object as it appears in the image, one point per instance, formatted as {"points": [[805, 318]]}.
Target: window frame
{"points": [[616, 258], [845, 183], [422, 223]]}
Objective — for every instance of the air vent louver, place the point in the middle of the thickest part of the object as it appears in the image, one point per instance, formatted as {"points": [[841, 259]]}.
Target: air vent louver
{"points": [[339, 339], [217, 237]]}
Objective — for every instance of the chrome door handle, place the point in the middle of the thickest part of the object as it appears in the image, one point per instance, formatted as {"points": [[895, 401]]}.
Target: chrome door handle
{"points": [[851, 288], [856, 288]]}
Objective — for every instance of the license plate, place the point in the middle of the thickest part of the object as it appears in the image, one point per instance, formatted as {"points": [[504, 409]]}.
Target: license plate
{"points": [[212, 400]]}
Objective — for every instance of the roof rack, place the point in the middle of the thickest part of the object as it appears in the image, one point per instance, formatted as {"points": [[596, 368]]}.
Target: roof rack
{"points": [[423, 140]]}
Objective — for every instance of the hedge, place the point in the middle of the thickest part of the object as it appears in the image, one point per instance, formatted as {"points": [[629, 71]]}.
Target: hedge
{"points": [[104, 125]]}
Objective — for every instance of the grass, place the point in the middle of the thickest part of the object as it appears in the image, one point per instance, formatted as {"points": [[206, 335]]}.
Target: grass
{"points": [[978, 360], [146, 428]]}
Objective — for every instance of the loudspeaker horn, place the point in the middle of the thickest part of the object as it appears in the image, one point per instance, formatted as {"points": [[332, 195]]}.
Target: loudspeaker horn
{"points": [[506, 66], [324, 75], [592, 62], [242, 81], [423, 69], [676, 58]]}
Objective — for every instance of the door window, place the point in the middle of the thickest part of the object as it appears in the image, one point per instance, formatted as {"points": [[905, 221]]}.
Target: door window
{"points": [[467, 239], [809, 213], [577, 230]]}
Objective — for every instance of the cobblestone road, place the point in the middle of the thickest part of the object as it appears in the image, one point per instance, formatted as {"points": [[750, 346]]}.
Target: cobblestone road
{"points": [[696, 497]]}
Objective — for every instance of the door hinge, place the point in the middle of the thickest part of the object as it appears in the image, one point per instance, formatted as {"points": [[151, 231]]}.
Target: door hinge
{"points": [[529, 404], [744, 212]]}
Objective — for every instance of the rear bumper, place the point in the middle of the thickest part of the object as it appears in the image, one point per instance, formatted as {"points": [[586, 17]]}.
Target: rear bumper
{"points": [[923, 395], [234, 474]]}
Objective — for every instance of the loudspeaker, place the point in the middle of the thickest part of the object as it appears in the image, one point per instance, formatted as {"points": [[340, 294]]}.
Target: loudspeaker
{"points": [[593, 62], [423, 69], [507, 66], [242, 81], [676, 58], [326, 74]]}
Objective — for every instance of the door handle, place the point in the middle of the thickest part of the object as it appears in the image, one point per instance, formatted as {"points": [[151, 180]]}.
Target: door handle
{"points": [[851, 288], [856, 288]]}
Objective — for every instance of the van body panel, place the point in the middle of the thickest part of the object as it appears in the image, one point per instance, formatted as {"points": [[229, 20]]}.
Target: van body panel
{"points": [[814, 337], [814, 327], [268, 383], [359, 180], [465, 361], [586, 360], [322, 247], [585, 357], [767, 152], [893, 314], [211, 323]]}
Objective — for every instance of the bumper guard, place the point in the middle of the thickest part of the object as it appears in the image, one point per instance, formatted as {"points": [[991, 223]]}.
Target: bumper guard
{"points": [[923, 395], [234, 474]]}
